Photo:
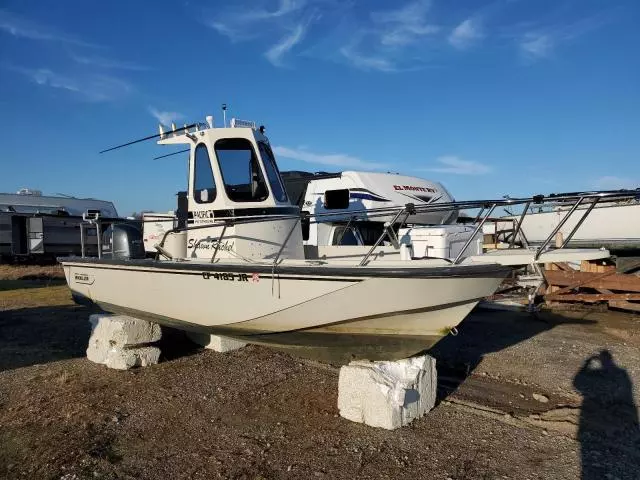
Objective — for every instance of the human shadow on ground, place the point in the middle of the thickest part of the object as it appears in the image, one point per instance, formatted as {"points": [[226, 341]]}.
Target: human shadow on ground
{"points": [[39, 335], [486, 331], [609, 431]]}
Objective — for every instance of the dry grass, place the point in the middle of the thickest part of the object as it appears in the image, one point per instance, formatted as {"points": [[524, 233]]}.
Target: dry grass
{"points": [[20, 297], [31, 272], [20, 277]]}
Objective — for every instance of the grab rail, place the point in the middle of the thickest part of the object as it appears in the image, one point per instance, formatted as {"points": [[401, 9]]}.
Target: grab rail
{"points": [[578, 199]]}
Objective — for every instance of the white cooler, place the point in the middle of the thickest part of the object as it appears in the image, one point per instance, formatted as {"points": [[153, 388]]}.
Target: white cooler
{"points": [[441, 241]]}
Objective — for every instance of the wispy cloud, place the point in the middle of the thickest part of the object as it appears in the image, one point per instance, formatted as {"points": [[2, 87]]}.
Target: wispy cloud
{"points": [[164, 117], [613, 183], [535, 46], [107, 63], [393, 40], [277, 52], [92, 88], [457, 166], [285, 7], [290, 21], [405, 25], [367, 62], [21, 27], [332, 159], [466, 33], [542, 42]]}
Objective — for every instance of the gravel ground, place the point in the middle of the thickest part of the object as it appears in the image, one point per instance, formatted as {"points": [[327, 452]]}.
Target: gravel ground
{"points": [[515, 402]]}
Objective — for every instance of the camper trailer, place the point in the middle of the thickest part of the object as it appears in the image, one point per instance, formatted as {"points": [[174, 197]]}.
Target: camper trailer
{"points": [[36, 226], [349, 205]]}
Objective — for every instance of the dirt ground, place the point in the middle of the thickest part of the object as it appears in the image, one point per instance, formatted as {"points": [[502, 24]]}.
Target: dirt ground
{"points": [[520, 397]]}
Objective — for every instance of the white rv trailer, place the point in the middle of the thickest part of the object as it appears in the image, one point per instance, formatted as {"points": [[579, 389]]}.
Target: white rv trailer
{"points": [[35, 225], [356, 220]]}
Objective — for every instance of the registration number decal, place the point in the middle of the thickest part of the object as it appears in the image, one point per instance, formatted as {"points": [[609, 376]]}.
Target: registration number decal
{"points": [[230, 277]]}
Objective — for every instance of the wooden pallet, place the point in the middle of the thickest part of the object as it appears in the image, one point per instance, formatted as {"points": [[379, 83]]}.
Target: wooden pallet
{"points": [[596, 281]]}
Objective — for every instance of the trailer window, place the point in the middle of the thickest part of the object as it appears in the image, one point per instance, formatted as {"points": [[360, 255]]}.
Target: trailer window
{"points": [[241, 172], [344, 236], [272, 172], [204, 185]]}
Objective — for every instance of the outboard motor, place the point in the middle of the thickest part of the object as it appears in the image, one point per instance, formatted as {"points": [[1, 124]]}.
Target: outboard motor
{"points": [[122, 241]]}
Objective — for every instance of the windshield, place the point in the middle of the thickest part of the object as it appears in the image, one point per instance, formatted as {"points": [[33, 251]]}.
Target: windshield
{"points": [[241, 174], [272, 172]]}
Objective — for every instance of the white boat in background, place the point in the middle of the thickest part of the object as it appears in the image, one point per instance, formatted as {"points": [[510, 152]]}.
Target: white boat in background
{"points": [[613, 226], [238, 266]]}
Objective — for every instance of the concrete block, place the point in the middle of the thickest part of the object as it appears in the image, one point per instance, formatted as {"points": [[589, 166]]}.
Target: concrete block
{"points": [[126, 358], [122, 342], [123, 331], [387, 394], [215, 342]]}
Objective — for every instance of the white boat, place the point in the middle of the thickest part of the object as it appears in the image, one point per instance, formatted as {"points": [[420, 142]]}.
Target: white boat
{"points": [[615, 226], [239, 269]]}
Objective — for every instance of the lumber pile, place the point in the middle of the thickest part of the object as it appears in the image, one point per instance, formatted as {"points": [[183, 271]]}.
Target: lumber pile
{"points": [[597, 281]]}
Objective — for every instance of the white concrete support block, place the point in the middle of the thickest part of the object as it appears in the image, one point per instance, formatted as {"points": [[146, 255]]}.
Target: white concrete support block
{"points": [[387, 394], [215, 342], [122, 342], [123, 331], [126, 358]]}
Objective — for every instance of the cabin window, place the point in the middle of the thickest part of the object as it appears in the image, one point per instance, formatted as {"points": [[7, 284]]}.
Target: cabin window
{"points": [[272, 172], [241, 172], [204, 184], [344, 236]]}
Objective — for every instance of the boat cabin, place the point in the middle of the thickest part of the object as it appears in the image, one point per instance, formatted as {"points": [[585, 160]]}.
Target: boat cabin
{"points": [[234, 178]]}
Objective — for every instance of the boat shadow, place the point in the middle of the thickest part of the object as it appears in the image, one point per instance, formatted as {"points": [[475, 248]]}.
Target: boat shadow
{"points": [[40, 335], [483, 332]]}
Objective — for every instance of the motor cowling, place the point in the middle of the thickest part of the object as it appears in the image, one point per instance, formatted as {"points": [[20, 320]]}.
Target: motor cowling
{"points": [[123, 241]]}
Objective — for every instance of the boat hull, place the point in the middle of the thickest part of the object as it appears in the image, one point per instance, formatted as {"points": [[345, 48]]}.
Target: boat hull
{"points": [[615, 227], [334, 315]]}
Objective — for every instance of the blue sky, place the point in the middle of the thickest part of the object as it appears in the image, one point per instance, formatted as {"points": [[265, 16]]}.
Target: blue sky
{"points": [[490, 97]]}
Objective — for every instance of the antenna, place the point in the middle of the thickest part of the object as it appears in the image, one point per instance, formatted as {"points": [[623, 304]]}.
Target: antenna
{"points": [[150, 137], [174, 153], [224, 114]]}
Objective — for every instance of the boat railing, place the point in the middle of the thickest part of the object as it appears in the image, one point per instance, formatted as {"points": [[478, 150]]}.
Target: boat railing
{"points": [[401, 215]]}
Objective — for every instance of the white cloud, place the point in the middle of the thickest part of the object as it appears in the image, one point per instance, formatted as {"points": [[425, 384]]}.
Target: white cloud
{"points": [[23, 28], [366, 62], [246, 22], [404, 25], [285, 7], [92, 88], [276, 52], [457, 166], [165, 118], [535, 46], [541, 43], [465, 34], [107, 63], [333, 159], [609, 182], [290, 20]]}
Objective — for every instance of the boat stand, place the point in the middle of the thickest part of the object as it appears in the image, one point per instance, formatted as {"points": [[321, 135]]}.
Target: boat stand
{"points": [[388, 394]]}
